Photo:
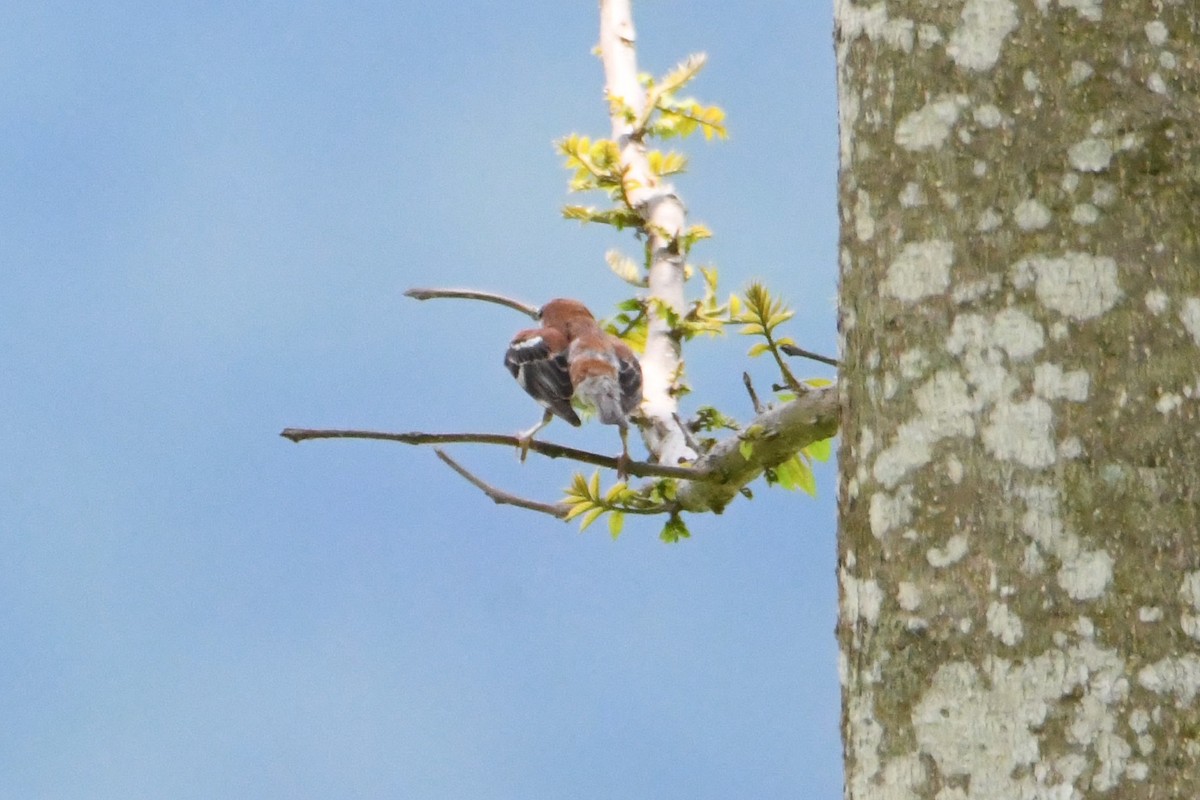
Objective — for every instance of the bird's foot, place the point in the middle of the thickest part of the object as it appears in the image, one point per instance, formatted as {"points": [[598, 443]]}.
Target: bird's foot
{"points": [[525, 438], [623, 466], [523, 442]]}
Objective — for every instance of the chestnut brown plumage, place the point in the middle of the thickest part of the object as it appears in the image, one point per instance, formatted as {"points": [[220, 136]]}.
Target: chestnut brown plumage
{"points": [[570, 356]]}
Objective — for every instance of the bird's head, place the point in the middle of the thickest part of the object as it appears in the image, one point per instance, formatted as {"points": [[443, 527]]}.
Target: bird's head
{"points": [[565, 315]]}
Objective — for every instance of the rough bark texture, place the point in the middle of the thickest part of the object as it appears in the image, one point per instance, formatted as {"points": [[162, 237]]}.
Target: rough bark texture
{"points": [[1020, 493]]}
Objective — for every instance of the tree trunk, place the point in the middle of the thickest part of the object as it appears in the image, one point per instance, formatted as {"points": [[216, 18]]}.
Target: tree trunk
{"points": [[1020, 458]]}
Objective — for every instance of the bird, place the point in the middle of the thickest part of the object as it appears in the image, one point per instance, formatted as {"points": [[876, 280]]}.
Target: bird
{"points": [[571, 356]]}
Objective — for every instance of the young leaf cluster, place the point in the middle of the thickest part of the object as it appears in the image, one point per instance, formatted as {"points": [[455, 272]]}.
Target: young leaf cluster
{"points": [[668, 115], [631, 323], [755, 313], [796, 472], [760, 314], [595, 165], [585, 500]]}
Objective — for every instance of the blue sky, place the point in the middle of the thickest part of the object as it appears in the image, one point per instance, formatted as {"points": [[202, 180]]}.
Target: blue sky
{"points": [[208, 215]]}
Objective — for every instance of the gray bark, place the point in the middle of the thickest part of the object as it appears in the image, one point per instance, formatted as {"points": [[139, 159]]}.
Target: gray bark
{"points": [[1020, 460]]}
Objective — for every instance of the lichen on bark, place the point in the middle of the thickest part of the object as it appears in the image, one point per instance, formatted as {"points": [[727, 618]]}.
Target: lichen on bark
{"points": [[1020, 455]]}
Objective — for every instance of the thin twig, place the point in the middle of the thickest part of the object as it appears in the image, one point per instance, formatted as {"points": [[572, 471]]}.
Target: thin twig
{"points": [[687, 434], [640, 469], [788, 377], [471, 294], [758, 407], [499, 496], [800, 352]]}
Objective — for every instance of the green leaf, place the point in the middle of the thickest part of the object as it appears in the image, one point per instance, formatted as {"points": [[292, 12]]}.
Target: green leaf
{"points": [[669, 163], [590, 517], [683, 117], [758, 349], [581, 213], [820, 450], [795, 474], [619, 218], [683, 72], [577, 509], [664, 312], [625, 268], [708, 418], [674, 530], [818, 382], [614, 495], [746, 448], [616, 521], [808, 481], [763, 313]]}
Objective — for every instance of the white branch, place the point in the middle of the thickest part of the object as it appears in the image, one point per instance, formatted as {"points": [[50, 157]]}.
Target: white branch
{"points": [[664, 217]]}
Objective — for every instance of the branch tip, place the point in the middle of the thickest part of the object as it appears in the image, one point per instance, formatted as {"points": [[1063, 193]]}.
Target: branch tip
{"points": [[800, 352], [758, 406], [472, 294]]}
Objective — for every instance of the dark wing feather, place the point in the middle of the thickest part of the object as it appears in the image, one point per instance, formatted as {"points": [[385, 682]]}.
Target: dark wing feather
{"points": [[538, 360], [629, 375]]}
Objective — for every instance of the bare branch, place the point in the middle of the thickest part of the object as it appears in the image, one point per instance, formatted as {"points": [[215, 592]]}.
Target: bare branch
{"points": [[640, 469], [715, 479], [499, 496], [800, 352], [471, 294], [784, 430], [758, 406]]}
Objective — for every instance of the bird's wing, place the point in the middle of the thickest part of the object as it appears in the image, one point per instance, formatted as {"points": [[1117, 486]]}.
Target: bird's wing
{"points": [[629, 376], [537, 358]]}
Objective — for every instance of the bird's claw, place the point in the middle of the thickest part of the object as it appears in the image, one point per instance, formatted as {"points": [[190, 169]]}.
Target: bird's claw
{"points": [[523, 443], [623, 466]]}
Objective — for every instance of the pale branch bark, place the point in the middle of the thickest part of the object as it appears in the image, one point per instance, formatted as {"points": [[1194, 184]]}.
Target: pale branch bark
{"points": [[640, 469], [664, 217], [800, 352], [471, 294], [499, 496], [687, 433], [780, 433]]}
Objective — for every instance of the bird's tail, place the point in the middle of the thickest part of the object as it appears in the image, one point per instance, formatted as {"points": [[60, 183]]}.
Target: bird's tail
{"points": [[609, 410], [604, 394]]}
